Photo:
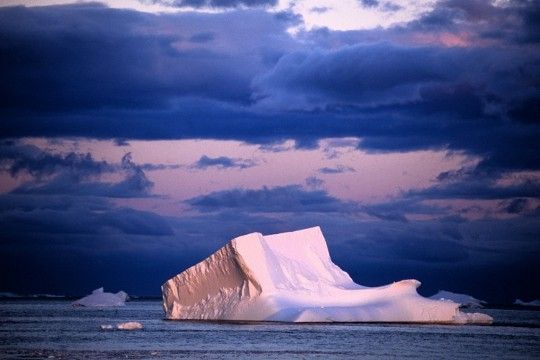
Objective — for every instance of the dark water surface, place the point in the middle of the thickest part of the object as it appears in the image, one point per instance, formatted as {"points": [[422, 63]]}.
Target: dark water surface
{"points": [[53, 329]]}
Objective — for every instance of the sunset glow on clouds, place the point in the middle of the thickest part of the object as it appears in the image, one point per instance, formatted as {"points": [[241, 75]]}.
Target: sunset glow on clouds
{"points": [[139, 136]]}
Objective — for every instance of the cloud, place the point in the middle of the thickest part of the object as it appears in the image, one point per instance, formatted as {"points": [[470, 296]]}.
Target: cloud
{"points": [[390, 87], [419, 247], [157, 167], [222, 162], [17, 158], [338, 169], [313, 182], [74, 173], [99, 72], [320, 9], [397, 209], [34, 214], [369, 3], [202, 37], [292, 198], [134, 184], [484, 189], [515, 206], [482, 21], [355, 74], [216, 3]]}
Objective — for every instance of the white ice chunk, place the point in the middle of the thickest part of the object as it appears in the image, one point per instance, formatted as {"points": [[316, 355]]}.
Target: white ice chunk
{"points": [[100, 298], [290, 277], [130, 325], [464, 300]]}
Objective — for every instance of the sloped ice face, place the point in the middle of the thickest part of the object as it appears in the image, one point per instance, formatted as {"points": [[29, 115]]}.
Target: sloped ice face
{"points": [[290, 277]]}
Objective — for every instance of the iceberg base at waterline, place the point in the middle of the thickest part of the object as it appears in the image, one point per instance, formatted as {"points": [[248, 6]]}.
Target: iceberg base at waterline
{"points": [[290, 277]]}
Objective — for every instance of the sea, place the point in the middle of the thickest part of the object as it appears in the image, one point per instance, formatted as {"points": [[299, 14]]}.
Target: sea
{"points": [[53, 329]]}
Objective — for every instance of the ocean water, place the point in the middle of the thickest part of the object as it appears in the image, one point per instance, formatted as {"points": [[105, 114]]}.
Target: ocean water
{"points": [[41, 329]]}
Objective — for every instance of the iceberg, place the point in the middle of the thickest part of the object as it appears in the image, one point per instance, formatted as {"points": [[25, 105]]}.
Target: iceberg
{"points": [[100, 298], [290, 277], [10, 295], [464, 300], [527, 303], [130, 325]]}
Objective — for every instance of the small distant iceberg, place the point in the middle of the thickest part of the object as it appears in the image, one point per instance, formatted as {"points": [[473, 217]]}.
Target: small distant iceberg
{"points": [[100, 298], [11, 295], [465, 301], [525, 303], [130, 325]]}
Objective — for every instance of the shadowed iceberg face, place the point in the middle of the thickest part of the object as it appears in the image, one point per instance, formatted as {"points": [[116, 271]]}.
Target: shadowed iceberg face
{"points": [[291, 277]]}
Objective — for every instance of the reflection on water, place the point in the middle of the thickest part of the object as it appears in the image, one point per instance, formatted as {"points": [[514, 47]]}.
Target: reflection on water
{"points": [[43, 329]]}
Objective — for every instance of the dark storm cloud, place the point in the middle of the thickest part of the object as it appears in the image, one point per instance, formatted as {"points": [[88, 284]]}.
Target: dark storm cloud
{"points": [[74, 173], [222, 162], [526, 111], [320, 9], [514, 22], [388, 216], [515, 206], [133, 184], [314, 199], [101, 58], [17, 158], [483, 189], [82, 242], [369, 3], [397, 209], [202, 37], [214, 3], [34, 214], [418, 247], [155, 167], [292, 198], [313, 182], [338, 169], [361, 73], [120, 74]]}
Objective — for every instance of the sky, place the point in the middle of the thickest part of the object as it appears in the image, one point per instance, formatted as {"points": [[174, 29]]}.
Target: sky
{"points": [[139, 136]]}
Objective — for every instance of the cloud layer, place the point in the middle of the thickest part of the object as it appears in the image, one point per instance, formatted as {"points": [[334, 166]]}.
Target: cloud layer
{"points": [[461, 78]]}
